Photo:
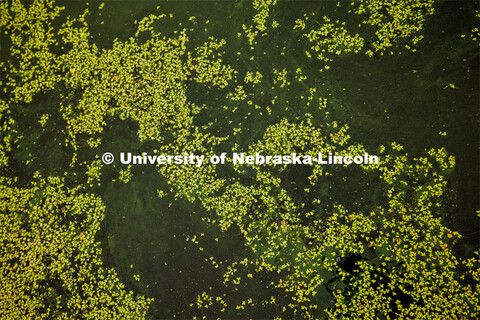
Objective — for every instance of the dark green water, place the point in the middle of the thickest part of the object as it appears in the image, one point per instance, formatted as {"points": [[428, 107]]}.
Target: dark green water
{"points": [[404, 98], [394, 98]]}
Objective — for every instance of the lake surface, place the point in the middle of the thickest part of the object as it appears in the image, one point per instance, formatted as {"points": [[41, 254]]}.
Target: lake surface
{"points": [[408, 98]]}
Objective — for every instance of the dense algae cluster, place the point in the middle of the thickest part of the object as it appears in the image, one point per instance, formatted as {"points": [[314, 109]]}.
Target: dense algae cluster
{"points": [[286, 241]]}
